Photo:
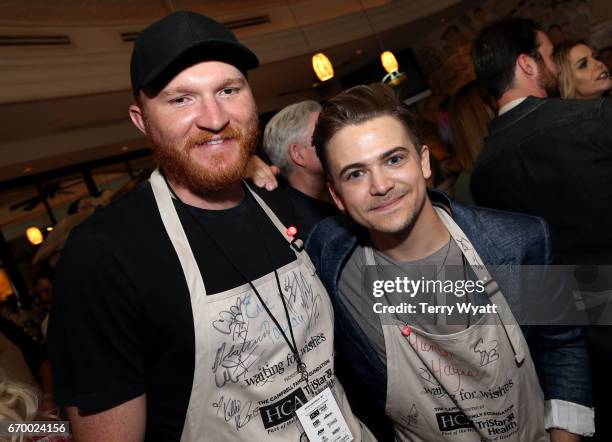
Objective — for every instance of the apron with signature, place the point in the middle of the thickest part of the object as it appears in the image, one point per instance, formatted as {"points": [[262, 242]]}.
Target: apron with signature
{"points": [[478, 384], [245, 382]]}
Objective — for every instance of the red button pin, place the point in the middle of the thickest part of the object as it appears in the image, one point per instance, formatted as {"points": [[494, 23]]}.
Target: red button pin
{"points": [[292, 231], [406, 330]]}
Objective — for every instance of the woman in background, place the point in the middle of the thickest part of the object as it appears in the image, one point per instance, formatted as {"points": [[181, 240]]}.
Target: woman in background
{"points": [[581, 76], [470, 111], [19, 403]]}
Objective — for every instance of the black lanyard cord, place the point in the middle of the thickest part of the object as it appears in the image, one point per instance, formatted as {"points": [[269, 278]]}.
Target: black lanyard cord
{"points": [[301, 367]]}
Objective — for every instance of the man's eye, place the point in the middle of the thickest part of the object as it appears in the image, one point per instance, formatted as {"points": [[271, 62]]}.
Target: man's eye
{"points": [[179, 100], [354, 174], [229, 90], [396, 159]]}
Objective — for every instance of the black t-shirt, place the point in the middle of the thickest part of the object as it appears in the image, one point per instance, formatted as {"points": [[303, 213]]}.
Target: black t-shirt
{"points": [[122, 325], [309, 211]]}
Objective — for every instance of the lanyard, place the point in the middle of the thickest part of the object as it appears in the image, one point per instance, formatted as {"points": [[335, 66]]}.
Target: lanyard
{"points": [[301, 366]]}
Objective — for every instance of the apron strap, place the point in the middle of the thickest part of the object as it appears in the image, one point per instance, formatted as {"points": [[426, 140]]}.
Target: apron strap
{"points": [[277, 222], [369, 256], [197, 293], [510, 325], [177, 235], [297, 244]]}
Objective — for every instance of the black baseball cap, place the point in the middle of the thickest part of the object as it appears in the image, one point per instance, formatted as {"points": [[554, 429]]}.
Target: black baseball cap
{"points": [[180, 40]]}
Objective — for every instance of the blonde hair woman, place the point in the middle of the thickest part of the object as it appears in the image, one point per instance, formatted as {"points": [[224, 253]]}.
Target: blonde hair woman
{"points": [[581, 76], [18, 402]]}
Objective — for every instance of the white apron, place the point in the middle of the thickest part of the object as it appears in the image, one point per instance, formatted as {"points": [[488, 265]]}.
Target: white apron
{"points": [[245, 383], [479, 384]]}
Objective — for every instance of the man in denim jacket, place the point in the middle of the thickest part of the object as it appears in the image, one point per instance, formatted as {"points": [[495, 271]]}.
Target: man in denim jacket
{"points": [[386, 206]]}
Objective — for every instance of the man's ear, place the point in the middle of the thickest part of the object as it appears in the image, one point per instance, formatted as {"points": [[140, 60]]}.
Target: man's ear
{"points": [[335, 197], [296, 154], [527, 65], [136, 115], [425, 165]]}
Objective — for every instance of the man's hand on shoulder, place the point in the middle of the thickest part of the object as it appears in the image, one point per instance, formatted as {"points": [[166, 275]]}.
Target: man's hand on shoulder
{"points": [[262, 174]]}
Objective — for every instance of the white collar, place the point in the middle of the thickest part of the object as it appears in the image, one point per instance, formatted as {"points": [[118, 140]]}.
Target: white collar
{"points": [[510, 105]]}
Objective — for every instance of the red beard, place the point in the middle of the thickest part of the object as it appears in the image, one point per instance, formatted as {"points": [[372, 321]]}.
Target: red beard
{"points": [[221, 169]]}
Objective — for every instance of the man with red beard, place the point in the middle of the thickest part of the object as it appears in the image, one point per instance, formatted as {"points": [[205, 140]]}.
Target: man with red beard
{"points": [[186, 310]]}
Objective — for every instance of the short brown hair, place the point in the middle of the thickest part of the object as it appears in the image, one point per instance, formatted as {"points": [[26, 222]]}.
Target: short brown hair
{"points": [[497, 47], [356, 106]]}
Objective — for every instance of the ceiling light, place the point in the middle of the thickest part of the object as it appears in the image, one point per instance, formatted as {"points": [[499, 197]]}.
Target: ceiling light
{"points": [[389, 61], [387, 58], [34, 235], [322, 66]]}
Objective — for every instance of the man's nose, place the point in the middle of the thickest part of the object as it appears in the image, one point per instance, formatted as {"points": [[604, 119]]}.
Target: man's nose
{"points": [[380, 183], [212, 115]]}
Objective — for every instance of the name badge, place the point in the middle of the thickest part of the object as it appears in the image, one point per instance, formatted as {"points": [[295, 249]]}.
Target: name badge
{"points": [[322, 420]]}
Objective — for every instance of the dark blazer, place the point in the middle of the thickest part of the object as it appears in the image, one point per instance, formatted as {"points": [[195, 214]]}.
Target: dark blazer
{"points": [[499, 238], [553, 158]]}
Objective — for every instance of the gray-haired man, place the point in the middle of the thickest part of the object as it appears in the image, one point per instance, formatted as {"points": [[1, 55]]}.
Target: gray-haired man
{"points": [[288, 143]]}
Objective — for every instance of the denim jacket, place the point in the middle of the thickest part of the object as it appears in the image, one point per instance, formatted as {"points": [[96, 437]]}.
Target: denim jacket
{"points": [[500, 238]]}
